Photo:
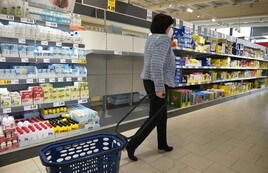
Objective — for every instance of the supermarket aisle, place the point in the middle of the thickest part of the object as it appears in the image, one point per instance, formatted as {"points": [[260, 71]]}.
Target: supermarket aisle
{"points": [[227, 138]]}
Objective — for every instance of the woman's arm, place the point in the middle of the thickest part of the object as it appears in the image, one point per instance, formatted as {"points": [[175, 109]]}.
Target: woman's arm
{"points": [[157, 64]]}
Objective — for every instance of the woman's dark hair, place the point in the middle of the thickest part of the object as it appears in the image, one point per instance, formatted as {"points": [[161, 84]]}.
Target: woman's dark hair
{"points": [[160, 23]]}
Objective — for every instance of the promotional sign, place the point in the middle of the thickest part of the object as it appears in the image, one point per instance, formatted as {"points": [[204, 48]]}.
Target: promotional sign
{"points": [[111, 5], [62, 5]]}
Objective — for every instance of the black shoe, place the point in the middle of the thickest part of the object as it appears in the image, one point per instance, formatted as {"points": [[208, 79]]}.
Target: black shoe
{"points": [[166, 148], [130, 154]]}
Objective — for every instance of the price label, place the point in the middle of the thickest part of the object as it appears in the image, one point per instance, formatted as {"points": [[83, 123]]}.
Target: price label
{"points": [[52, 79], [44, 43], [24, 59], [59, 44], [51, 24], [60, 80], [57, 104], [82, 101], [5, 82], [46, 60], [79, 79], [74, 60], [31, 107], [22, 41], [6, 110], [62, 60], [2, 59], [118, 52], [25, 20], [29, 81], [42, 80], [15, 81], [68, 79], [10, 17], [75, 46]]}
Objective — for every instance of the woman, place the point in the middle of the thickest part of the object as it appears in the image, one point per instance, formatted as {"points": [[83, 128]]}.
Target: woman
{"points": [[157, 74]]}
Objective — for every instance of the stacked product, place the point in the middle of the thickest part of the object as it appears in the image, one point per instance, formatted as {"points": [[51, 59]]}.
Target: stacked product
{"points": [[184, 97], [33, 130], [8, 136], [182, 38]]}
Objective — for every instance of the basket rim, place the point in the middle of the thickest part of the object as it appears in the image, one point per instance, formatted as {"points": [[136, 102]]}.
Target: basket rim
{"points": [[42, 155]]}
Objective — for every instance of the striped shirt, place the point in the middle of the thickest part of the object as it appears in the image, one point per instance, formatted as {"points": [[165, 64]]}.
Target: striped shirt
{"points": [[159, 62]]}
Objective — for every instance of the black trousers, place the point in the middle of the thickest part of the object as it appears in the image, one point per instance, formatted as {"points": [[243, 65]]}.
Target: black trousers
{"points": [[160, 121]]}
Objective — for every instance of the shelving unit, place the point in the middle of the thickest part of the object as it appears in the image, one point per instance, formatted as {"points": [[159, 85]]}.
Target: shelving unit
{"points": [[17, 84]]}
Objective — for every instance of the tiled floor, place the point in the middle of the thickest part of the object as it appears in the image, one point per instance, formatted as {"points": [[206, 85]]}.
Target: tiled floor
{"points": [[228, 138]]}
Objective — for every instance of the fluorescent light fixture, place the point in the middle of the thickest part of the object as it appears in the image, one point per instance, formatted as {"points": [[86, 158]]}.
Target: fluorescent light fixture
{"points": [[213, 20], [189, 10]]}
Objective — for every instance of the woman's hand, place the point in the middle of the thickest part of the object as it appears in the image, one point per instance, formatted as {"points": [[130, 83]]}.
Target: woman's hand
{"points": [[160, 94]]}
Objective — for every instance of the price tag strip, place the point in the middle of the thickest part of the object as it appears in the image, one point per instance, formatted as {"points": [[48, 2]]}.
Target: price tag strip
{"points": [[82, 101], [31, 107], [6, 110], [58, 104], [29, 81], [60, 79], [68, 79], [2, 59], [42, 80], [51, 24], [52, 79], [25, 60]]}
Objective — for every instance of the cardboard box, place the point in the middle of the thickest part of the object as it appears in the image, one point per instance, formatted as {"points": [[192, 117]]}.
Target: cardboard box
{"points": [[26, 97]]}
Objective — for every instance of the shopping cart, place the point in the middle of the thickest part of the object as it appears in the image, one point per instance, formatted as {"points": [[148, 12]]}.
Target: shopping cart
{"points": [[99, 153]]}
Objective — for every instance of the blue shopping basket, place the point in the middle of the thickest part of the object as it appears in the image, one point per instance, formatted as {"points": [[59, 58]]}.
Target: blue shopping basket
{"points": [[97, 153]]}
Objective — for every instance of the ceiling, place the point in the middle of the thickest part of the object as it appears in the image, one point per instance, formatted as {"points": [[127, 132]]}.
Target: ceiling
{"points": [[227, 13]]}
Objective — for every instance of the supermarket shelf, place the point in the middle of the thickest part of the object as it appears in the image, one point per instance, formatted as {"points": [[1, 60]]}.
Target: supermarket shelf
{"points": [[23, 153], [213, 102], [220, 81], [42, 60], [38, 42], [179, 51], [39, 106], [217, 68], [41, 80], [115, 53], [6, 18]]}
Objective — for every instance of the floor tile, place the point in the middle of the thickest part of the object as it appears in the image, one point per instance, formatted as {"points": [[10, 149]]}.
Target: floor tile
{"points": [[189, 170], [197, 149], [218, 137], [239, 143], [222, 147], [247, 167], [177, 153], [221, 158], [163, 164], [263, 161], [217, 168], [244, 155], [197, 162], [198, 139], [235, 135], [176, 141], [147, 154], [260, 150], [138, 166], [27, 166], [177, 167], [199, 131], [39, 164]]}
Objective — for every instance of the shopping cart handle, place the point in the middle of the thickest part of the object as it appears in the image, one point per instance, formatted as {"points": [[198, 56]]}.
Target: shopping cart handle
{"points": [[117, 125]]}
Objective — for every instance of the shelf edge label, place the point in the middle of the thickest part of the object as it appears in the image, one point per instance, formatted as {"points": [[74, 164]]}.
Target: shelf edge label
{"points": [[82, 101], [58, 104], [6, 110], [31, 107]]}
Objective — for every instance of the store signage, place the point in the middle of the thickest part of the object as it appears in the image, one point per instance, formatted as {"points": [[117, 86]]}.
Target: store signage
{"points": [[61, 5], [111, 5]]}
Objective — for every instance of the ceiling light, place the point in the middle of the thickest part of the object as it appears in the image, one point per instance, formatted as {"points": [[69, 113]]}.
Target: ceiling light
{"points": [[170, 5], [189, 10], [213, 20], [198, 16]]}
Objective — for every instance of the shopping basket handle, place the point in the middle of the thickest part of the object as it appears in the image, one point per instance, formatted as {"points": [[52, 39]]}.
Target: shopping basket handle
{"points": [[117, 125]]}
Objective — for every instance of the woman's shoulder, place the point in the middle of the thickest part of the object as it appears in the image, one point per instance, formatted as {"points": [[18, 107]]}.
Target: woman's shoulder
{"points": [[158, 38]]}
